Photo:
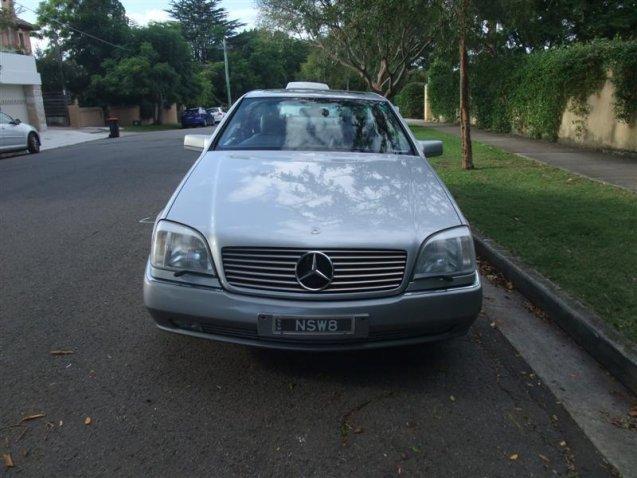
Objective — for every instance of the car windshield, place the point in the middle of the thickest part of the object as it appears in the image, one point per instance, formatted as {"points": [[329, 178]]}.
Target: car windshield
{"points": [[315, 124]]}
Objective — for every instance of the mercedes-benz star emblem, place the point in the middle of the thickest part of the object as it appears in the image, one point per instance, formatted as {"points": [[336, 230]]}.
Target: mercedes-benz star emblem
{"points": [[314, 271]]}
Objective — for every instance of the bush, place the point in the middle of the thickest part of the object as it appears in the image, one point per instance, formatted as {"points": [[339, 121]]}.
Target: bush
{"points": [[529, 92], [411, 100], [443, 90]]}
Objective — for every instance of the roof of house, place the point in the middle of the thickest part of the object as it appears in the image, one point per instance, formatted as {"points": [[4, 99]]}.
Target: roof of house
{"points": [[24, 24]]}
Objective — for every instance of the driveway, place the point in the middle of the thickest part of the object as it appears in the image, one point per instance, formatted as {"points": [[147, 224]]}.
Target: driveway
{"points": [[132, 400]]}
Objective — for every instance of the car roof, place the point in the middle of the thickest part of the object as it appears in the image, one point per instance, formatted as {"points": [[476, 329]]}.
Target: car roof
{"points": [[314, 93]]}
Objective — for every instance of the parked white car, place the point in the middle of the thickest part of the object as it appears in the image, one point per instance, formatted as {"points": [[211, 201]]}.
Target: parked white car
{"points": [[217, 113], [16, 135]]}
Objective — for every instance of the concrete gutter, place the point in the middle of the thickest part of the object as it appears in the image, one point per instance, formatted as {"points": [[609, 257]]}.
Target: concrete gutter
{"points": [[604, 343]]}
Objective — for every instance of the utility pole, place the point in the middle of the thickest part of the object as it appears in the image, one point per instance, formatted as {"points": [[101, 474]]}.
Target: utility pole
{"points": [[225, 60]]}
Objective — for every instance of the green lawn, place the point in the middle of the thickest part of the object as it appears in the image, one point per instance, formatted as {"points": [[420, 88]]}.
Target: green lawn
{"points": [[149, 127], [579, 233]]}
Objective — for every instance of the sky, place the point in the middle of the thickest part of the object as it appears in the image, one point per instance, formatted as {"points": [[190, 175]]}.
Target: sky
{"points": [[143, 11]]}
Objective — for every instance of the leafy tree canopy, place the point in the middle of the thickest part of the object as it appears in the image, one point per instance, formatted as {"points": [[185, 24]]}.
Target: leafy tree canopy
{"points": [[258, 59], [104, 23], [380, 40], [204, 25], [160, 71], [323, 68]]}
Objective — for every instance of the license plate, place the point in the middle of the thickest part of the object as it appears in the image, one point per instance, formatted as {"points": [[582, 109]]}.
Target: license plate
{"points": [[313, 325]]}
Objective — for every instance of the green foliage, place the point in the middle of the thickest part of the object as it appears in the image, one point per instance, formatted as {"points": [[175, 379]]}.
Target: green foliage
{"points": [[379, 40], [491, 83], [322, 68], [443, 89], [204, 25], [569, 228], [257, 59], [411, 99], [61, 21], [158, 71], [57, 75], [623, 64], [548, 80], [530, 92]]}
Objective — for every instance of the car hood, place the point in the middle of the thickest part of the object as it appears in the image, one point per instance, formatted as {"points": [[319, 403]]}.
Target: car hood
{"points": [[313, 199]]}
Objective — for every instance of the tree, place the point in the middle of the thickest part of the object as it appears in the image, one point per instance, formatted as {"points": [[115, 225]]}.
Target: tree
{"points": [[204, 25], [59, 75], [380, 40], [88, 31], [465, 119], [323, 68], [411, 99], [159, 71], [258, 59]]}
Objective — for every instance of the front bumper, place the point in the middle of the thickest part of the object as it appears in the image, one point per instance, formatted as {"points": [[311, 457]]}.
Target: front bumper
{"points": [[408, 318]]}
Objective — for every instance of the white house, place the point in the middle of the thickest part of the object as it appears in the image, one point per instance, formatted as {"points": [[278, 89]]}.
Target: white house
{"points": [[20, 83]]}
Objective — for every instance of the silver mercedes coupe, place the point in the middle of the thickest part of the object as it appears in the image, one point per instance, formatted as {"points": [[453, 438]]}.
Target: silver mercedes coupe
{"points": [[312, 221]]}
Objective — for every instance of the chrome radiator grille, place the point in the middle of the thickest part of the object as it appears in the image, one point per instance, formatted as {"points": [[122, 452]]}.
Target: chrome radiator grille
{"points": [[355, 270]]}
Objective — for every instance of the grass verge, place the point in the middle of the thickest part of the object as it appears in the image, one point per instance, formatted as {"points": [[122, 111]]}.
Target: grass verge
{"points": [[579, 233], [150, 127]]}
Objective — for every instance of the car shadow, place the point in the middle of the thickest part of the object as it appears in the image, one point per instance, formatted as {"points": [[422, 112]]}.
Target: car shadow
{"points": [[394, 364]]}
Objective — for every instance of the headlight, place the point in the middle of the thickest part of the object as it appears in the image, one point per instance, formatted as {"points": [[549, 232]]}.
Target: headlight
{"points": [[179, 248], [448, 253]]}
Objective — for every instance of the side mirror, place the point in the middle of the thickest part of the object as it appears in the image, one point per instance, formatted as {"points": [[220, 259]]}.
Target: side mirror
{"points": [[195, 142], [16, 122], [431, 148]]}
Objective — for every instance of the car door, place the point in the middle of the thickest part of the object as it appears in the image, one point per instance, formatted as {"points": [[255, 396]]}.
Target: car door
{"points": [[12, 134], [4, 120]]}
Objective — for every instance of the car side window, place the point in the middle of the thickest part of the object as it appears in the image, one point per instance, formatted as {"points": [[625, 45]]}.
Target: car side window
{"points": [[5, 119]]}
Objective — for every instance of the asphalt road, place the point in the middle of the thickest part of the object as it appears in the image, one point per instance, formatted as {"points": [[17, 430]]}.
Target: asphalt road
{"points": [[72, 253]]}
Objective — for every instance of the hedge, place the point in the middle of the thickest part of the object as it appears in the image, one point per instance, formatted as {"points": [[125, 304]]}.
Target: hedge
{"points": [[411, 100], [529, 92]]}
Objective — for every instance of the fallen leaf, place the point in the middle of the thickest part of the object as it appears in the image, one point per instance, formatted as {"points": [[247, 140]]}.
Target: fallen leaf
{"points": [[87, 421], [562, 443], [62, 352], [452, 398], [35, 416], [358, 430], [8, 461], [514, 457]]}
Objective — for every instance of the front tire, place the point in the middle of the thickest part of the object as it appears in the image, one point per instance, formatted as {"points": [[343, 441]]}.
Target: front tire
{"points": [[33, 143]]}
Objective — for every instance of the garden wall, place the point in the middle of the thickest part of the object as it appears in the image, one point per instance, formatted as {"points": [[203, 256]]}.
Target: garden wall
{"points": [[600, 128]]}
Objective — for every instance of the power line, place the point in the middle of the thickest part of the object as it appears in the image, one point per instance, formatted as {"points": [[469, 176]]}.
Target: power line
{"points": [[75, 29]]}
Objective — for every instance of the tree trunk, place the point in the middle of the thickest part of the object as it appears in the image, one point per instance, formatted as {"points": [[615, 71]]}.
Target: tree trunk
{"points": [[160, 110], [465, 119]]}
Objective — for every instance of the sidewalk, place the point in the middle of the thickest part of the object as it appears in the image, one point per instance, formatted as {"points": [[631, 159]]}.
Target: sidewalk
{"points": [[56, 137], [603, 166]]}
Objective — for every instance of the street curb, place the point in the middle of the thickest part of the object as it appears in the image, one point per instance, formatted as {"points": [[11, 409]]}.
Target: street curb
{"points": [[604, 343]]}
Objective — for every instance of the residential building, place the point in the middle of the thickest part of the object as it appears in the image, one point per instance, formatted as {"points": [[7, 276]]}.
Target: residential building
{"points": [[20, 82]]}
